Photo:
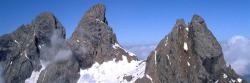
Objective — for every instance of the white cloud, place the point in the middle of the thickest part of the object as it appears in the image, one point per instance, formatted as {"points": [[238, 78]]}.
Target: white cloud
{"points": [[57, 51], [237, 53]]}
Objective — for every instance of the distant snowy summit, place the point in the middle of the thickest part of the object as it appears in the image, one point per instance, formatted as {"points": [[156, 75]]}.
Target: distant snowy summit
{"points": [[39, 53]]}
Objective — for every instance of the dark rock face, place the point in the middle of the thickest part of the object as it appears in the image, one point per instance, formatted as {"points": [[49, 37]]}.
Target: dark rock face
{"points": [[94, 41], [189, 54], [19, 55], [41, 47], [60, 72], [20, 50]]}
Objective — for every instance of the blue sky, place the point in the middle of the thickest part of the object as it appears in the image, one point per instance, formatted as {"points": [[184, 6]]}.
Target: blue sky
{"points": [[135, 21]]}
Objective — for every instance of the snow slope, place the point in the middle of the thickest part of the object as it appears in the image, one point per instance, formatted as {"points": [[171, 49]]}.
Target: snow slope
{"points": [[113, 72]]}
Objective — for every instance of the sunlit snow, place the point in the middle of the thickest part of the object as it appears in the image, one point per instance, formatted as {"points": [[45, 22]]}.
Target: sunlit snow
{"points": [[149, 78], [17, 42], [224, 76], [35, 75], [239, 80], [188, 63], [216, 81], [166, 42], [168, 56], [112, 71], [39, 46], [115, 46], [185, 46], [233, 80], [155, 57], [25, 54], [98, 20], [11, 62], [187, 29]]}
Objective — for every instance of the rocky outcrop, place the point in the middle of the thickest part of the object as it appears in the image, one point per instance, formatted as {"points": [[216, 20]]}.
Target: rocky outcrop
{"points": [[20, 50], [94, 41], [189, 54], [38, 52]]}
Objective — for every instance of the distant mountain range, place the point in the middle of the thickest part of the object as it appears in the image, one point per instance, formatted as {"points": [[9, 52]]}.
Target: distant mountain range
{"points": [[39, 53]]}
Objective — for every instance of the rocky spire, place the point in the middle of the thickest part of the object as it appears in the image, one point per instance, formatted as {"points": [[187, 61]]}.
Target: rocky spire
{"points": [[45, 25], [189, 54], [20, 50], [97, 12], [94, 41]]}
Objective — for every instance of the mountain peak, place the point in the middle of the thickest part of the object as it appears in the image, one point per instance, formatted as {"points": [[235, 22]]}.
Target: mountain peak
{"points": [[97, 12], [95, 35], [188, 54], [180, 22], [45, 16], [38, 52], [197, 19]]}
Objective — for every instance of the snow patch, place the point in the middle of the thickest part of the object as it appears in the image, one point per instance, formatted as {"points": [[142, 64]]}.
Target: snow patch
{"points": [[149, 78], [17, 42], [112, 71], [233, 80], [166, 42], [98, 20], [77, 41], [185, 46], [216, 81], [179, 27], [11, 62], [25, 54], [224, 75], [130, 53], [39, 46], [239, 80], [115, 46], [168, 56], [187, 29], [35, 75], [188, 63], [168, 59], [84, 41], [155, 57]]}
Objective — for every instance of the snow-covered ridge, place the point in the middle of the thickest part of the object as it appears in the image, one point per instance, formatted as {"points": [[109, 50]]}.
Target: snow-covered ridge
{"points": [[113, 72], [116, 45]]}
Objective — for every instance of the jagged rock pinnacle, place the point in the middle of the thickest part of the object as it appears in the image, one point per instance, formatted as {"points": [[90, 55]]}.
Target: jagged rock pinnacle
{"points": [[94, 35], [189, 54], [97, 12]]}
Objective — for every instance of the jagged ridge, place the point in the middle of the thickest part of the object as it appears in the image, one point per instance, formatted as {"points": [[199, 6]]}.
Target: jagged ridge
{"points": [[188, 54], [38, 52]]}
